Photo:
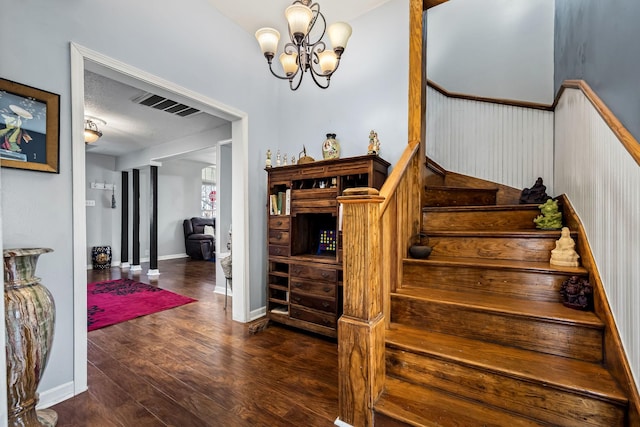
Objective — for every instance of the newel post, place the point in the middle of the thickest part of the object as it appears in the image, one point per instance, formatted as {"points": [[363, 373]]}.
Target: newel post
{"points": [[361, 327]]}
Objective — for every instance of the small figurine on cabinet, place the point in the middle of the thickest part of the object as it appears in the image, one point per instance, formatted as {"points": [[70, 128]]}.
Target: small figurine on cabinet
{"points": [[284, 160], [293, 159], [278, 158], [268, 162], [565, 254], [374, 143], [536, 194]]}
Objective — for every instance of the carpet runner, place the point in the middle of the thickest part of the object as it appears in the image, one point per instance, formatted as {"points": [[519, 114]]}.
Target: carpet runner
{"points": [[116, 301]]}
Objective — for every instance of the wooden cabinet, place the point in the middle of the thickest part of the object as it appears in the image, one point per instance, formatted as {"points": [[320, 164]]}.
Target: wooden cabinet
{"points": [[304, 281]]}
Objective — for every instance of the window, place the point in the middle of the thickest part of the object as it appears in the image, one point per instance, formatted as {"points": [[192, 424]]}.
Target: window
{"points": [[208, 197]]}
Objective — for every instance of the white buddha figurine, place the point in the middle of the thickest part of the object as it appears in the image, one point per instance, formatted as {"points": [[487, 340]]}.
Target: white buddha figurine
{"points": [[565, 254]]}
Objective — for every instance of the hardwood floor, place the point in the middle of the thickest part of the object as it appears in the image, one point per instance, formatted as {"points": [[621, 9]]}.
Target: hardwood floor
{"points": [[193, 366]]}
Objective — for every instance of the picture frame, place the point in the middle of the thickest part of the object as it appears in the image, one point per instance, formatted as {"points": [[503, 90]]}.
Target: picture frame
{"points": [[29, 128]]}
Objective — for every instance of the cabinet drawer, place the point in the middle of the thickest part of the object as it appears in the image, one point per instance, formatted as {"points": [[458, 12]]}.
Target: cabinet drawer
{"points": [[277, 250], [279, 222], [313, 273], [314, 301], [324, 289], [309, 205], [278, 237], [324, 319]]}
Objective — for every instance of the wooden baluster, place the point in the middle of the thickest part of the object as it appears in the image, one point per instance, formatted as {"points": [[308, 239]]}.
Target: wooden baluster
{"points": [[361, 328]]}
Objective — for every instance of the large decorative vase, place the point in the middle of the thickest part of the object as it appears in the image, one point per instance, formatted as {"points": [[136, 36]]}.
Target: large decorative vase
{"points": [[29, 320]]}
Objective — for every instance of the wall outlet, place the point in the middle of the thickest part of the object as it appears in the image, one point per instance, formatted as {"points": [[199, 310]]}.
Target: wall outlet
{"points": [[91, 202]]}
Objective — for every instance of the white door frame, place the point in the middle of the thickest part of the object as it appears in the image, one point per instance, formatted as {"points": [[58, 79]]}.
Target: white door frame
{"points": [[239, 197]]}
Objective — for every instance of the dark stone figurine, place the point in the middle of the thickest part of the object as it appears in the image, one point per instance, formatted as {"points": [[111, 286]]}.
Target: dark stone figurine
{"points": [[536, 194], [577, 293]]}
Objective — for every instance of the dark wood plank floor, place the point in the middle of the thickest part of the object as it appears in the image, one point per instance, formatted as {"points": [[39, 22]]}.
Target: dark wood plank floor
{"points": [[194, 366]]}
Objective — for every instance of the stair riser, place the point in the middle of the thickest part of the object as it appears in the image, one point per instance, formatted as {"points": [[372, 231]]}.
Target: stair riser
{"points": [[535, 249], [459, 197], [567, 340], [529, 285], [382, 420], [480, 220], [559, 408]]}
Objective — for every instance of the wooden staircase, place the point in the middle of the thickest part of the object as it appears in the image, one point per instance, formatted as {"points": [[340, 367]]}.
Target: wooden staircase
{"points": [[478, 335]]}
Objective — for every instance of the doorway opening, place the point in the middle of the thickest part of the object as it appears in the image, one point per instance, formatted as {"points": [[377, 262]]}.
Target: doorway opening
{"points": [[85, 59]]}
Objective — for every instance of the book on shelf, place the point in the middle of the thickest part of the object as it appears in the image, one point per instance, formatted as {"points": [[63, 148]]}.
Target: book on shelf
{"points": [[287, 202], [280, 310], [273, 204], [280, 202]]}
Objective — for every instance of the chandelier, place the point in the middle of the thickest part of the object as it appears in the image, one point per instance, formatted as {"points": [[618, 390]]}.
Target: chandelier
{"points": [[301, 54]]}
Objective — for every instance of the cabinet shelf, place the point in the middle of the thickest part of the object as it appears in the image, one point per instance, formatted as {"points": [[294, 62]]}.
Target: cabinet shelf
{"points": [[278, 287], [279, 274]]}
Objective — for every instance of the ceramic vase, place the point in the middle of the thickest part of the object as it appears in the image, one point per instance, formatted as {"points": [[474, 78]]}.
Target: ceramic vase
{"points": [[331, 147], [29, 321]]}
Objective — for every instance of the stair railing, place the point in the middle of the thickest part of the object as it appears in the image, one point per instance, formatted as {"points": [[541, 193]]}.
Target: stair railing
{"points": [[377, 229]]}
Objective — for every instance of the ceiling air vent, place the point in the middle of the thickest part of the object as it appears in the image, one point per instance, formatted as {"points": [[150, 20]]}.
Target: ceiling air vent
{"points": [[161, 103]]}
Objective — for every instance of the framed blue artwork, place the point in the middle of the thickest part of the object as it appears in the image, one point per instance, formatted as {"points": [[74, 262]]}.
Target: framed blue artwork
{"points": [[29, 128]]}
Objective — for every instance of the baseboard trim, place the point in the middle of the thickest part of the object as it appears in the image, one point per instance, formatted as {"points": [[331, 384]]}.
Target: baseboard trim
{"points": [[147, 259], [56, 395], [340, 423], [257, 313], [220, 290]]}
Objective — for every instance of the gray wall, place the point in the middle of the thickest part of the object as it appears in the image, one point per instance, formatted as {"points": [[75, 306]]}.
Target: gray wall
{"points": [[597, 41], [103, 222], [179, 183], [224, 189]]}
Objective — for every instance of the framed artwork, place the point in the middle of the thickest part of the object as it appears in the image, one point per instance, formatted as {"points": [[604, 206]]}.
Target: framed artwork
{"points": [[29, 128]]}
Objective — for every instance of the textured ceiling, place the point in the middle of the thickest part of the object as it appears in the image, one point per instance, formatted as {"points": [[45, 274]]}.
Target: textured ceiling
{"points": [[254, 14]]}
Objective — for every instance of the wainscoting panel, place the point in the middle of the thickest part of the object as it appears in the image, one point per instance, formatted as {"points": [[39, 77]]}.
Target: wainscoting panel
{"points": [[501, 143], [602, 181]]}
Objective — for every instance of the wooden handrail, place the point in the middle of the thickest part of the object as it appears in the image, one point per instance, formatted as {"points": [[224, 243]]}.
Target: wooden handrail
{"points": [[628, 141], [397, 173], [511, 102]]}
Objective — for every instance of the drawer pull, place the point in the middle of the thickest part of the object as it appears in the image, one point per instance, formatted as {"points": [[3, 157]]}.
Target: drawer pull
{"points": [[296, 270], [297, 285], [325, 304], [279, 223], [326, 289], [279, 236], [296, 299], [325, 275], [277, 251]]}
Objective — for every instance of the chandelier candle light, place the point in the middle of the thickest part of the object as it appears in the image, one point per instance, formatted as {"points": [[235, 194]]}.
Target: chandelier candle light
{"points": [[301, 53]]}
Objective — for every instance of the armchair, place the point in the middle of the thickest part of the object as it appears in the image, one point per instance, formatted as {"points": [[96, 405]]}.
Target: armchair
{"points": [[199, 245]]}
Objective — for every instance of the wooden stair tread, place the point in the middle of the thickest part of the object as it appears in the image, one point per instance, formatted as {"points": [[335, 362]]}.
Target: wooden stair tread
{"points": [[577, 376], [481, 208], [542, 310], [453, 188], [420, 406], [541, 267], [551, 234]]}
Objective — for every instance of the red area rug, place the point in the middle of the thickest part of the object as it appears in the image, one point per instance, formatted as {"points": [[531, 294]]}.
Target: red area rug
{"points": [[116, 301]]}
